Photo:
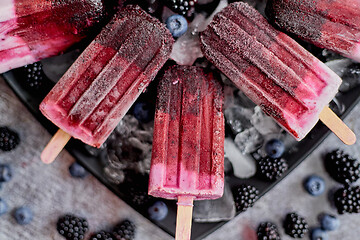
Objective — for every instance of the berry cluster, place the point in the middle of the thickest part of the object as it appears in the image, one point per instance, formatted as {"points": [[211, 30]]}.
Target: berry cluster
{"points": [[341, 167], [346, 170], [295, 225], [124, 230], [245, 197], [9, 139], [347, 199], [72, 227], [270, 169], [183, 7], [268, 231], [34, 76], [102, 235]]}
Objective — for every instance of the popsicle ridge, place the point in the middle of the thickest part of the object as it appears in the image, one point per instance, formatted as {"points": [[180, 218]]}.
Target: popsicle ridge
{"points": [[108, 76], [328, 24], [187, 157], [31, 30], [271, 68]]}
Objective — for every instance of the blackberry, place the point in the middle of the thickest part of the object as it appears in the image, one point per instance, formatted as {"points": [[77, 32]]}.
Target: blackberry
{"points": [[347, 199], [8, 139], [245, 196], [72, 227], [271, 169], [139, 197], [295, 225], [268, 231], [124, 230], [183, 7], [135, 188], [341, 167], [102, 235], [34, 76]]}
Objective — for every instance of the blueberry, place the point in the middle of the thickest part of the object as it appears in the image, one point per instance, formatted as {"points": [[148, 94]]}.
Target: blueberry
{"points": [[318, 234], [23, 215], [158, 211], [142, 112], [314, 185], [5, 173], [77, 171], [329, 222], [177, 25], [275, 148], [3, 207]]}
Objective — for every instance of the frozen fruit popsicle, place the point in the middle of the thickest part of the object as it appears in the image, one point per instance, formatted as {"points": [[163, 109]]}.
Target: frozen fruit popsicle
{"points": [[31, 30], [102, 84], [331, 24], [188, 146], [275, 72]]}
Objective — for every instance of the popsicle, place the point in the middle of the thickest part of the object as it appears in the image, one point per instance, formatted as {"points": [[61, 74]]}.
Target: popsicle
{"points": [[275, 72], [31, 30], [334, 24], [102, 84], [188, 144]]}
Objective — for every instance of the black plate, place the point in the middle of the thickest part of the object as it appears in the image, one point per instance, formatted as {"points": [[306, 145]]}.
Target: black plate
{"points": [[32, 99]]}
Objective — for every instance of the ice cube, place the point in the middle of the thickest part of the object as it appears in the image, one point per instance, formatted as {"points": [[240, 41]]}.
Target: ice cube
{"points": [[339, 65], [114, 175], [244, 166], [351, 77], [187, 49], [217, 210], [238, 118], [249, 140], [263, 123]]}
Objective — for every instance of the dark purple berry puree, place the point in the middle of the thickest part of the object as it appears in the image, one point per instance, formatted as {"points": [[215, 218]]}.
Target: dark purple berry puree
{"points": [[331, 24], [188, 155], [36, 29], [102, 84], [275, 72]]}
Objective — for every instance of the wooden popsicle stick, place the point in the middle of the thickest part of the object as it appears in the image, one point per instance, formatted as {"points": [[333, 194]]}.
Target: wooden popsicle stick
{"points": [[184, 218], [337, 126], [54, 147]]}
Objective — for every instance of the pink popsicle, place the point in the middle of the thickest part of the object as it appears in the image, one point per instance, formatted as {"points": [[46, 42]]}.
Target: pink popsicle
{"points": [[328, 24], [274, 71], [31, 30], [188, 146], [99, 88]]}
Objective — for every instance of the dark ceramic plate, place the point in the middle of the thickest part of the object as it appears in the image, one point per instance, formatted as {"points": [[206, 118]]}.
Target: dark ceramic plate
{"points": [[32, 99]]}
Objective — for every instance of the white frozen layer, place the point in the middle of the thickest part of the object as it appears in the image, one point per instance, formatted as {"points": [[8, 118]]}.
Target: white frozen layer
{"points": [[188, 183], [7, 10], [356, 52], [14, 52]]}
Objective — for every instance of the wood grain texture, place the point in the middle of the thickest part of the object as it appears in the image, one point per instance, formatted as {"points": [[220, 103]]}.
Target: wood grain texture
{"points": [[55, 146], [184, 218], [337, 126]]}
